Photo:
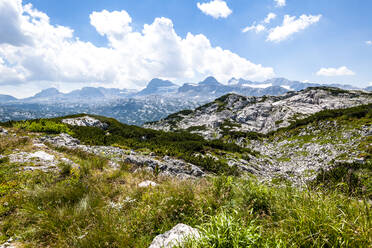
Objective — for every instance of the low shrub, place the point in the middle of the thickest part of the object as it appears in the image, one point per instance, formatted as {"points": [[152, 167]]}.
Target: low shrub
{"points": [[43, 125]]}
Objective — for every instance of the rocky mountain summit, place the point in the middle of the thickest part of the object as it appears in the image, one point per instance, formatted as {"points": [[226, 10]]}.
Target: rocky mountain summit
{"points": [[259, 114]]}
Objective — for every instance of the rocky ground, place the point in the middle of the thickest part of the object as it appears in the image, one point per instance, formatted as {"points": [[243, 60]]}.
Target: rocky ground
{"points": [[40, 155], [260, 114], [298, 158]]}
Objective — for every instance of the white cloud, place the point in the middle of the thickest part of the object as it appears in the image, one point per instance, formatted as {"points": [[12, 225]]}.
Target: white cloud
{"points": [[10, 23], [215, 8], [258, 28], [369, 42], [290, 26], [269, 17], [280, 3], [111, 23], [54, 55], [370, 84], [332, 72]]}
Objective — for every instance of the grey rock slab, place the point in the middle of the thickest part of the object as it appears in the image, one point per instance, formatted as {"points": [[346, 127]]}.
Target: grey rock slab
{"points": [[85, 121], [9, 244], [3, 132], [175, 236]]}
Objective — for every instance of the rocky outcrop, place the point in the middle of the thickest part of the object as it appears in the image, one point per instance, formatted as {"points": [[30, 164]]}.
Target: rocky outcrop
{"points": [[299, 158], [164, 166], [85, 121], [260, 114], [39, 160], [3, 131], [9, 244], [62, 140], [175, 236]]}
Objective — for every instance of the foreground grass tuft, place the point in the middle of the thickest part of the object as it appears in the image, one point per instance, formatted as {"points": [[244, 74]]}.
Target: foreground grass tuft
{"points": [[91, 207]]}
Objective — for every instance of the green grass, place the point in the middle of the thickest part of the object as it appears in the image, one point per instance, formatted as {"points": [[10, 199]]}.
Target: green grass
{"points": [[108, 209], [352, 179]]}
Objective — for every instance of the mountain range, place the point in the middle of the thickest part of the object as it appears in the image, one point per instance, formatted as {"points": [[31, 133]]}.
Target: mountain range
{"points": [[209, 88], [159, 99]]}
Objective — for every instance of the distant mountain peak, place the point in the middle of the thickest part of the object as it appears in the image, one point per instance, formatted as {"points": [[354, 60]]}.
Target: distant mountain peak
{"points": [[157, 86], [47, 93], [157, 82], [233, 81], [210, 81]]}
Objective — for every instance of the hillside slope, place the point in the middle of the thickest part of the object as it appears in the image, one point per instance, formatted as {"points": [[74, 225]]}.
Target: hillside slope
{"points": [[91, 181], [259, 114]]}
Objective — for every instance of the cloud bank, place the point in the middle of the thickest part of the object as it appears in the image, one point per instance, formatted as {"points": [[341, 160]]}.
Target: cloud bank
{"points": [[32, 50]]}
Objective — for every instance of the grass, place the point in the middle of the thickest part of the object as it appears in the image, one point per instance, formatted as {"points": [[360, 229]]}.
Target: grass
{"points": [[107, 209], [350, 178]]}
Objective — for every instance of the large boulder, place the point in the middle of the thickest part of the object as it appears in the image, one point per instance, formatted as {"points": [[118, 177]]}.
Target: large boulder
{"points": [[85, 121], [175, 236]]}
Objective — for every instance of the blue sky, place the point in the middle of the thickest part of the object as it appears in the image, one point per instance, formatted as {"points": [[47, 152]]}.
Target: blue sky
{"points": [[329, 44]]}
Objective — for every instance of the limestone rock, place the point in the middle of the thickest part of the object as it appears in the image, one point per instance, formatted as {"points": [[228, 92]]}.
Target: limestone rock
{"points": [[175, 236], [61, 140], [42, 155], [9, 244], [85, 121], [3, 132]]}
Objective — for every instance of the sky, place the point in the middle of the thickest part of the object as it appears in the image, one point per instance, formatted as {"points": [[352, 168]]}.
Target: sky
{"points": [[124, 43]]}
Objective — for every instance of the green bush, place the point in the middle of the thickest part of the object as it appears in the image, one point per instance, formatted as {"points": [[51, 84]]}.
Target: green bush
{"points": [[43, 125]]}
